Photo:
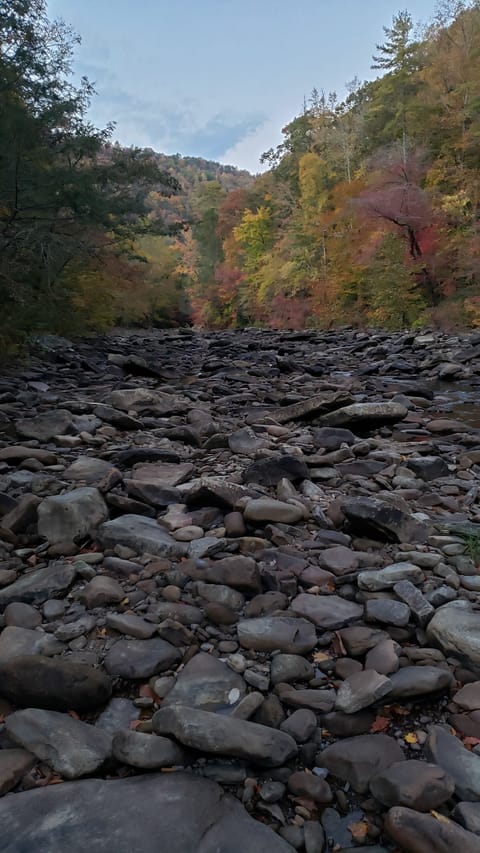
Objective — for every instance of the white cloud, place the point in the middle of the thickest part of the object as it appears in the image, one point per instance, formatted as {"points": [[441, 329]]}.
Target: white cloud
{"points": [[246, 153]]}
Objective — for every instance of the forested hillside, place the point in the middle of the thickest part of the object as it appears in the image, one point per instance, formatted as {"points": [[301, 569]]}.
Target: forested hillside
{"points": [[367, 214], [370, 211]]}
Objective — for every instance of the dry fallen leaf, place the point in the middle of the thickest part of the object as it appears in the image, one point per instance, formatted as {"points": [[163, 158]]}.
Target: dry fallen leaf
{"points": [[359, 830], [411, 738], [439, 816], [470, 742], [320, 657], [380, 724], [338, 646]]}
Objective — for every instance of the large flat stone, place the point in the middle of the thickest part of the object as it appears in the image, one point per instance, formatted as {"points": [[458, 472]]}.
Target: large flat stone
{"points": [[328, 612], [206, 682], [38, 586], [217, 734], [55, 683], [174, 812], [455, 628], [286, 633], [64, 518], [140, 658], [142, 535]]}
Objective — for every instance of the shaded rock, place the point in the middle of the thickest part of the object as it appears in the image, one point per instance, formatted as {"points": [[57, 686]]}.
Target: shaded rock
{"points": [[267, 633], [421, 833], [348, 725], [312, 406], [387, 611], [428, 467], [468, 815], [145, 400], [147, 752], [269, 472], [88, 469], [22, 615], [141, 534], [239, 572], [181, 813], [131, 624], [302, 784], [300, 725], [332, 438], [329, 612], [23, 515], [469, 697], [101, 590], [286, 668], [14, 763], [68, 746], [53, 683], [358, 759], [40, 585], [220, 735], [140, 658], [383, 657], [64, 518], [420, 607], [414, 784]]}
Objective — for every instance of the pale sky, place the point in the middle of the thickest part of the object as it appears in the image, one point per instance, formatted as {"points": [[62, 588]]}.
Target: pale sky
{"points": [[220, 78]]}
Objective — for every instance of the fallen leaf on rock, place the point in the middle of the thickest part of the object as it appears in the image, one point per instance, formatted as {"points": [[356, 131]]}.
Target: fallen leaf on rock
{"points": [[411, 738], [134, 724], [440, 817], [359, 830], [337, 645], [380, 724], [470, 742], [320, 657]]}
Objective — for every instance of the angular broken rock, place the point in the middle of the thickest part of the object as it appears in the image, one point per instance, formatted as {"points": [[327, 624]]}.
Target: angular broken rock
{"points": [[269, 472], [142, 535], [56, 683], [414, 784], [180, 812], [360, 690], [358, 759], [64, 518], [44, 426], [312, 406], [140, 658], [217, 734], [143, 400], [373, 517]]}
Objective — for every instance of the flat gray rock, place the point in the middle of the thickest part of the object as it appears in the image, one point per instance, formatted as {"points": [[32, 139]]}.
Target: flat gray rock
{"points": [[267, 633], [359, 413], [206, 682], [414, 831], [36, 587], [329, 612], [386, 578], [414, 784], [14, 763], [43, 427], [178, 813], [141, 658], [68, 746], [145, 751], [217, 734], [412, 681], [142, 535], [358, 759], [360, 690], [16, 642]]}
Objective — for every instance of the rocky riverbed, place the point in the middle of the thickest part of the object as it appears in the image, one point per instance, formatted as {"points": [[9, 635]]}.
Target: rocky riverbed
{"points": [[239, 587]]}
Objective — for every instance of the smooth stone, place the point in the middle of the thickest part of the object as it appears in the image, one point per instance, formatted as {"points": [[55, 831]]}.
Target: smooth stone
{"points": [[359, 413], [317, 700], [14, 763], [117, 715], [373, 581], [101, 590], [64, 518], [131, 624], [412, 681], [360, 690], [220, 735], [147, 752], [358, 759], [384, 657], [387, 612], [469, 697], [263, 510], [40, 585], [140, 658], [220, 594], [286, 668], [22, 615], [269, 472], [311, 787], [88, 469], [16, 642], [455, 628], [140, 400], [300, 725], [468, 815], [286, 633], [142, 535], [180, 813], [166, 474], [421, 833], [339, 560], [348, 725], [240, 572], [53, 683], [414, 784], [206, 682], [68, 746], [329, 612], [447, 751]]}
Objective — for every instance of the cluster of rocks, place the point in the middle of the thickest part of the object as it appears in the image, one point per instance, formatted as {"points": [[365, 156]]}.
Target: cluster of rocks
{"points": [[250, 559]]}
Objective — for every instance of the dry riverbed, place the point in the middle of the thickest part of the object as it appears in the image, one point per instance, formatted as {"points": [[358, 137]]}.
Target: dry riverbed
{"points": [[239, 594]]}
